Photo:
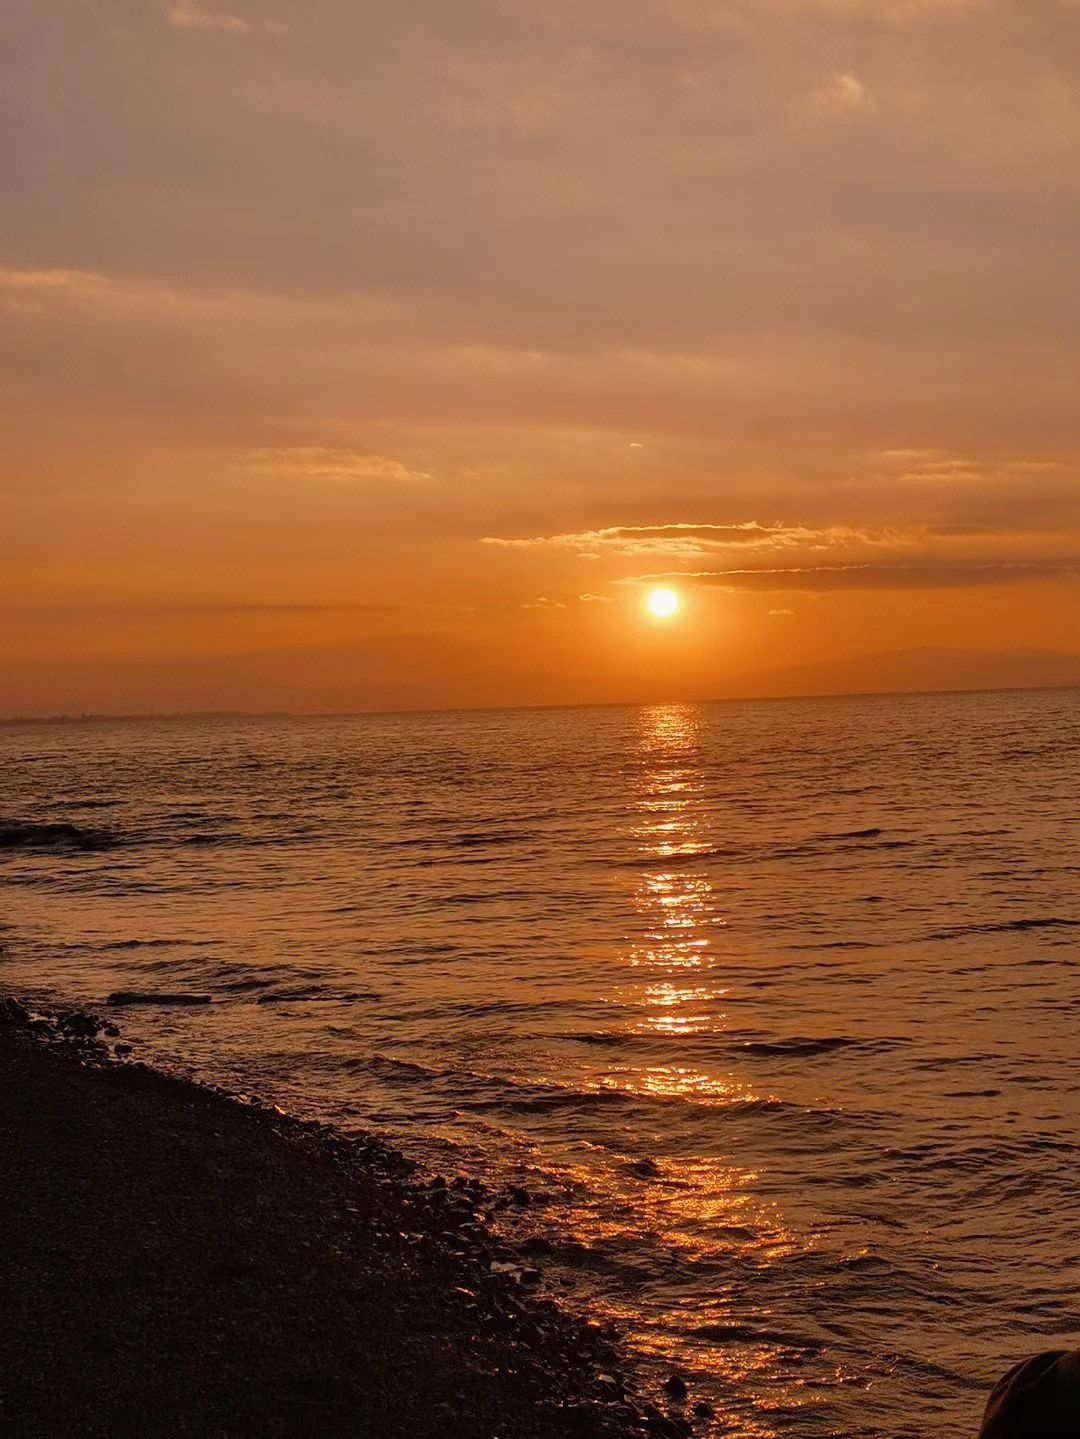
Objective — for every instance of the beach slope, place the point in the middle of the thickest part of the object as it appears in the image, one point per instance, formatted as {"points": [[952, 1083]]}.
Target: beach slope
{"points": [[175, 1263]]}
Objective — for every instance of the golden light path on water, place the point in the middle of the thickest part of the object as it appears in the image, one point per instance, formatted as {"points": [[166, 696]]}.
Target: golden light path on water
{"points": [[697, 1205]]}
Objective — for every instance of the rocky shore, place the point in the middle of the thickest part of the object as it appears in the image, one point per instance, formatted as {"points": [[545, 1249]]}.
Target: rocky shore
{"points": [[175, 1261]]}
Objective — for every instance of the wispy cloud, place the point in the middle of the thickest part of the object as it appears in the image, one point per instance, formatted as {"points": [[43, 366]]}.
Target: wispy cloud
{"points": [[316, 462], [190, 15], [689, 540], [888, 575], [211, 608], [841, 95]]}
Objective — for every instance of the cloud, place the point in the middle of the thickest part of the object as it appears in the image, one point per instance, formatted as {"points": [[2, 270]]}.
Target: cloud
{"points": [[689, 539], [596, 599], [189, 15], [317, 462], [82, 611], [884, 576], [841, 95]]}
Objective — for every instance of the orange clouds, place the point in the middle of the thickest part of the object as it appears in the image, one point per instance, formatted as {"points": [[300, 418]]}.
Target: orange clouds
{"points": [[331, 339]]}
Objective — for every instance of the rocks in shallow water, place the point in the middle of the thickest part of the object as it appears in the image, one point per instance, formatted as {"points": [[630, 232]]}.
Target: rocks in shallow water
{"points": [[537, 1244], [666, 1426], [75, 1027], [508, 1268], [77, 1024], [675, 1387], [644, 1168], [133, 996], [13, 1013]]}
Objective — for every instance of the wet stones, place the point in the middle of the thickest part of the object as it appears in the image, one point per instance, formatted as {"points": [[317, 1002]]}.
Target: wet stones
{"points": [[77, 1024], [13, 1014], [537, 1244], [667, 1426], [77, 1028]]}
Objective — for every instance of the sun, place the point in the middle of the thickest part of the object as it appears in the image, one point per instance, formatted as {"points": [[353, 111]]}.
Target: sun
{"points": [[662, 604]]}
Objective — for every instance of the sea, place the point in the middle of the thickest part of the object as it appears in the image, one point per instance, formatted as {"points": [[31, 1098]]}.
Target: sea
{"points": [[772, 1007]]}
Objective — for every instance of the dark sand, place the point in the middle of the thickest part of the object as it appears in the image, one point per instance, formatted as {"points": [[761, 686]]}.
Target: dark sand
{"points": [[173, 1262]]}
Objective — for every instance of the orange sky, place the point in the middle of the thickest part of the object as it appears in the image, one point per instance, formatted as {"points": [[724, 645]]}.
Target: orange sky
{"points": [[362, 356]]}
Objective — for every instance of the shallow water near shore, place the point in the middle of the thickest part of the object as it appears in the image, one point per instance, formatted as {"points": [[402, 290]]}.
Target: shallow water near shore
{"points": [[772, 1007]]}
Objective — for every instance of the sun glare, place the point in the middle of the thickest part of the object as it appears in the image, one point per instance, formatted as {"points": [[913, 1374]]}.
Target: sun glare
{"points": [[662, 603]]}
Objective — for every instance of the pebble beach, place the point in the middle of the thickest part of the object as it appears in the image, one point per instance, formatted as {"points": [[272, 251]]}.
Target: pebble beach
{"points": [[177, 1261]]}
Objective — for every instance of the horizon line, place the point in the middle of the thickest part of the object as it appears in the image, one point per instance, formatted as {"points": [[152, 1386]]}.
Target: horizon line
{"points": [[106, 717]]}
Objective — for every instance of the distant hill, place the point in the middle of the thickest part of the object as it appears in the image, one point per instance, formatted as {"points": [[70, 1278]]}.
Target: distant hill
{"points": [[900, 672], [912, 671]]}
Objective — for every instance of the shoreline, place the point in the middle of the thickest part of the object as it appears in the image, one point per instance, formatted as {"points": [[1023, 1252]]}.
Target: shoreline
{"points": [[180, 1259]]}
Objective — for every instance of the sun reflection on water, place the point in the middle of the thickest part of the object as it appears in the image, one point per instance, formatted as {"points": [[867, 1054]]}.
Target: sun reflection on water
{"points": [[709, 1209], [677, 904]]}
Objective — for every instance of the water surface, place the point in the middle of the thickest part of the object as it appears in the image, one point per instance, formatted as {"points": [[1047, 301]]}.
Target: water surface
{"points": [[774, 1005]]}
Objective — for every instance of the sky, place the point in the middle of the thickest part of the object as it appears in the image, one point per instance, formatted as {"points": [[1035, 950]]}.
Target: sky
{"points": [[378, 356]]}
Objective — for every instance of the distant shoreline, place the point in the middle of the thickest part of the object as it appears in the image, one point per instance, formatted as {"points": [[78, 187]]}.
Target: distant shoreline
{"points": [[151, 716]]}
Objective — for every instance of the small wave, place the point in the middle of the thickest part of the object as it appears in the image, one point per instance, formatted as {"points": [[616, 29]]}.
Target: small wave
{"points": [[121, 997], [1008, 926], [841, 841], [800, 1045], [837, 944], [865, 1263], [814, 846], [500, 836], [389, 1064], [312, 996], [16, 835], [747, 1334], [160, 944]]}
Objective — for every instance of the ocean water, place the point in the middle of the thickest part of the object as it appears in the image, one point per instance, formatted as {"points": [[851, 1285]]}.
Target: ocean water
{"points": [[774, 1007]]}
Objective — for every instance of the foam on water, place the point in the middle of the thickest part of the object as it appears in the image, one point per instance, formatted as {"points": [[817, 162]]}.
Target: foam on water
{"points": [[772, 1006]]}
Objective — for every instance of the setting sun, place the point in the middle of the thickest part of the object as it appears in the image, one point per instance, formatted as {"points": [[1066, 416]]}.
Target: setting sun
{"points": [[662, 603]]}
